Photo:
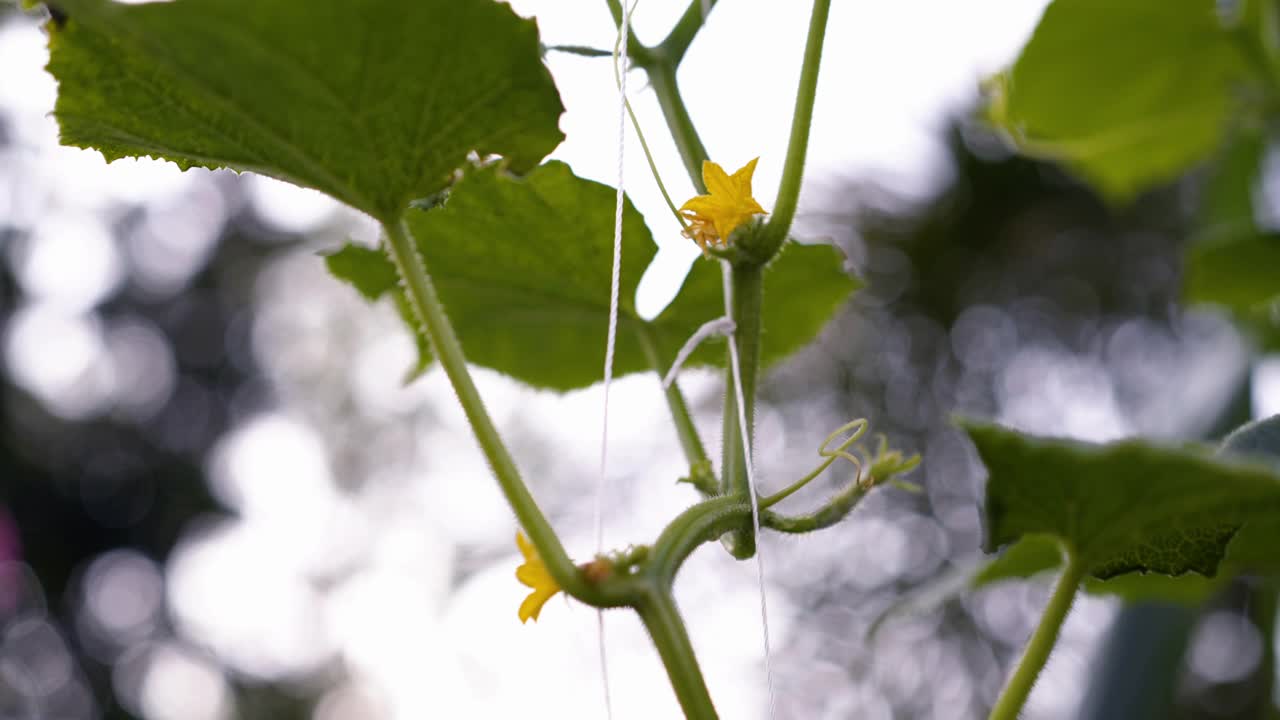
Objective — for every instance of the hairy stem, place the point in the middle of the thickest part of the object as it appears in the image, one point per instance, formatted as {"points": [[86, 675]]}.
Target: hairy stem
{"points": [[1015, 694], [748, 298], [697, 525], [662, 619], [784, 208], [430, 312]]}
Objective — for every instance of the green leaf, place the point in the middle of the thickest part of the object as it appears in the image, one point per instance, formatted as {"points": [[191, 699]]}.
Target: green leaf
{"points": [[523, 267], [1251, 549], [1122, 507], [373, 102], [369, 271], [1030, 555], [1226, 205], [1129, 94], [803, 287], [1240, 272], [1232, 261], [1036, 554]]}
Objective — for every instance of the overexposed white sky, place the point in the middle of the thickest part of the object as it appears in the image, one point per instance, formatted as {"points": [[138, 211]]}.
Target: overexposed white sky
{"points": [[890, 74]]}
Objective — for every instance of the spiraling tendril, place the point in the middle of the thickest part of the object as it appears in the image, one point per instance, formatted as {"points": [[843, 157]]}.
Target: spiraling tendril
{"points": [[871, 469]]}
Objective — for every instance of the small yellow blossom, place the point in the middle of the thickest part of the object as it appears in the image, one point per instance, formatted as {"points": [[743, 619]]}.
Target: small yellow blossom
{"points": [[534, 574], [727, 204]]}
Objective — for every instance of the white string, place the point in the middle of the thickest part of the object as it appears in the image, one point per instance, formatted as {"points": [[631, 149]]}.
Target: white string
{"points": [[727, 275], [620, 66], [719, 326]]}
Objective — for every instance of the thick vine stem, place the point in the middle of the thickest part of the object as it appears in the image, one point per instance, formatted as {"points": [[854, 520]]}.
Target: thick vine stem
{"points": [[663, 79], [698, 524], [658, 612], [748, 299], [430, 312], [1016, 692]]}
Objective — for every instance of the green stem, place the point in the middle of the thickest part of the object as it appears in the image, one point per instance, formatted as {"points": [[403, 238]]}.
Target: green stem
{"points": [[672, 49], [662, 619], [426, 304], [833, 511], [1015, 694], [698, 524], [662, 77], [582, 50], [640, 54], [748, 297], [784, 208], [685, 429]]}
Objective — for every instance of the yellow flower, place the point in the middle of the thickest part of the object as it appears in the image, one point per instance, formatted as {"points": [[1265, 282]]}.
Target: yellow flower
{"points": [[534, 574], [728, 204]]}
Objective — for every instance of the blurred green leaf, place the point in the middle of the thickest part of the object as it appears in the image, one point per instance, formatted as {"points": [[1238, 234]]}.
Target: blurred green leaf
{"points": [[373, 102], [1128, 94], [522, 264], [369, 271], [1190, 589], [1240, 272], [1030, 555], [1226, 204], [1232, 262], [1123, 507]]}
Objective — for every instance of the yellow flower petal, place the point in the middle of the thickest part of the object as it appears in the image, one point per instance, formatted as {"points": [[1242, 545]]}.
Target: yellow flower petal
{"points": [[532, 605], [727, 204], [534, 574], [718, 182], [526, 548]]}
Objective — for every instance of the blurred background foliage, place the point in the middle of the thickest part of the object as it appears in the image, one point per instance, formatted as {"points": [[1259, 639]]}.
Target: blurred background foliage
{"points": [[212, 501]]}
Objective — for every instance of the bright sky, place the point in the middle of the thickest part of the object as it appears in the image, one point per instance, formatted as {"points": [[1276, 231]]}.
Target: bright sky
{"points": [[890, 74]]}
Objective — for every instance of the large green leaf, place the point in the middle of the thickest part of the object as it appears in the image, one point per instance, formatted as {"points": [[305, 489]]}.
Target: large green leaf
{"points": [[1044, 493], [523, 267], [1129, 94], [1122, 507], [374, 102]]}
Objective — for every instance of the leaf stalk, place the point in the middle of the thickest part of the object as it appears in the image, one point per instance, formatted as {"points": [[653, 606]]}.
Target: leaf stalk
{"points": [[1016, 692]]}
